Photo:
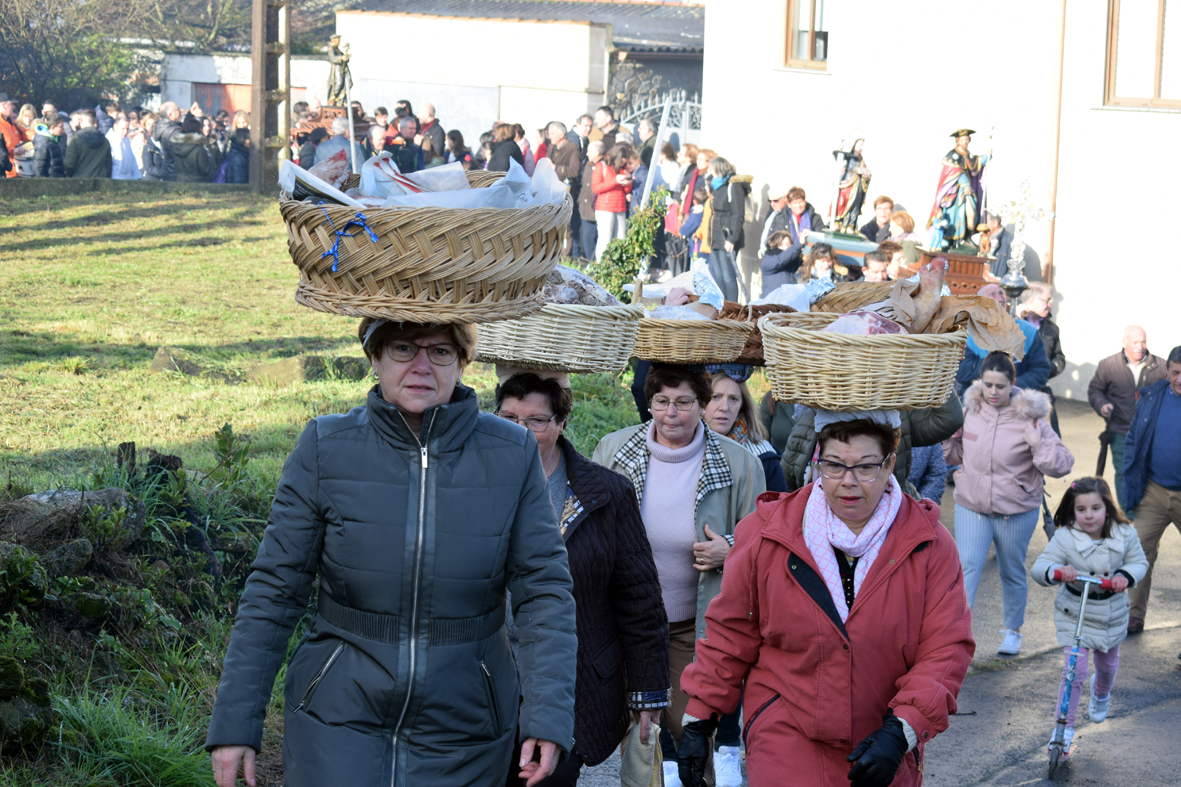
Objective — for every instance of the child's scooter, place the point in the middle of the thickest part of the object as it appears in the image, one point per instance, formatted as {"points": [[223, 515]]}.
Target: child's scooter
{"points": [[1058, 741]]}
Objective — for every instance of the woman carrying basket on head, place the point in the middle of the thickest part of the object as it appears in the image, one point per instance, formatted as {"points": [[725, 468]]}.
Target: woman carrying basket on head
{"points": [[842, 610], [416, 511], [693, 486]]}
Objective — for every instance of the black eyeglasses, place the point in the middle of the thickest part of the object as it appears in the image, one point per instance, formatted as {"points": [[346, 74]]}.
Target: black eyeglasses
{"points": [[533, 424], [660, 404], [438, 354], [864, 472]]}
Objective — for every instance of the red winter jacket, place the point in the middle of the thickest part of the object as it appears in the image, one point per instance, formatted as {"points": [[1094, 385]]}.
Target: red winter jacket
{"points": [[612, 197], [815, 687]]}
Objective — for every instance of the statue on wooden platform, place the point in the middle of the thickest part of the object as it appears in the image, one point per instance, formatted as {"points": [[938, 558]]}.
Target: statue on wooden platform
{"points": [[340, 78], [956, 213], [852, 185]]}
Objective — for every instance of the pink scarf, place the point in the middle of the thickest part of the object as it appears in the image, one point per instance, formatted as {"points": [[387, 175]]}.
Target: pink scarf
{"points": [[823, 531]]}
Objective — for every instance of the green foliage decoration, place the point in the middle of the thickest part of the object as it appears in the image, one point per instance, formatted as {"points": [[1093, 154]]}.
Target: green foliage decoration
{"points": [[626, 258]]}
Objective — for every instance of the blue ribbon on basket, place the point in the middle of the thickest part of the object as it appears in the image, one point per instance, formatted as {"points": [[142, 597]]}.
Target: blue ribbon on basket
{"points": [[334, 252]]}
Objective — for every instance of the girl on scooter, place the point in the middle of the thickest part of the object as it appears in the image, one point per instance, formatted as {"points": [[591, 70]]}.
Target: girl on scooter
{"points": [[1093, 539]]}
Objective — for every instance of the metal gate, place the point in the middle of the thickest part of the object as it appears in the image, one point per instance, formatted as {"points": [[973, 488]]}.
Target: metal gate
{"points": [[677, 113]]}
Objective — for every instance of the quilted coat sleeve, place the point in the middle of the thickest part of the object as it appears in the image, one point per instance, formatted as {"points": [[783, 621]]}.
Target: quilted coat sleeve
{"points": [[1053, 555], [926, 694], [543, 609], [275, 597], [635, 597], [929, 427], [1051, 457], [732, 638]]}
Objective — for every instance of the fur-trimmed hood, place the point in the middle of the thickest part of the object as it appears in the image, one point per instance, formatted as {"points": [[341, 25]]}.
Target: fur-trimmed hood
{"points": [[192, 138], [1028, 405]]}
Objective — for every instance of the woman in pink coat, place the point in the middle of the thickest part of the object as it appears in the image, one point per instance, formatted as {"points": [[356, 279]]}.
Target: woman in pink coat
{"points": [[843, 611], [1005, 447]]}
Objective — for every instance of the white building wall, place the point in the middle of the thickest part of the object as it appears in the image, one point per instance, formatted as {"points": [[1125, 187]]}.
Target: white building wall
{"points": [[537, 71], [179, 71], [908, 78]]}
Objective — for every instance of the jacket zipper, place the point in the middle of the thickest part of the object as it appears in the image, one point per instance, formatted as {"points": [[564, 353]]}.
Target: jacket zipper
{"points": [[311, 689], [756, 715], [491, 696], [420, 532]]}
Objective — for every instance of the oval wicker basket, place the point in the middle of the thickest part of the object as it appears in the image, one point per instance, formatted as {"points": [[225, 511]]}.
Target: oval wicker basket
{"points": [[563, 338], [752, 353], [834, 371], [691, 341], [853, 295], [428, 264]]}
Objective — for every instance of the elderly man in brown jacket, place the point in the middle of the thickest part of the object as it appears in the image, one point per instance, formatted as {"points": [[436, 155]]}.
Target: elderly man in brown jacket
{"points": [[1114, 389]]}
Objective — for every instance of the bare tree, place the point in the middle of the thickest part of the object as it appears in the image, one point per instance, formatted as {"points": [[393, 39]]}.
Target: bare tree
{"points": [[67, 50], [204, 25]]}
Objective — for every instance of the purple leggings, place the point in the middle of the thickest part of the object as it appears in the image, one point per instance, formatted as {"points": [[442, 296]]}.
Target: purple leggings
{"points": [[1106, 665]]}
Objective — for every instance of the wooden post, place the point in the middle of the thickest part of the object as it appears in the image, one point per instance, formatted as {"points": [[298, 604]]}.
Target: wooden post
{"points": [[270, 104]]}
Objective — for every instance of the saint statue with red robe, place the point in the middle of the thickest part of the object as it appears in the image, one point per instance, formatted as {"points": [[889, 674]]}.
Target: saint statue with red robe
{"points": [[957, 200]]}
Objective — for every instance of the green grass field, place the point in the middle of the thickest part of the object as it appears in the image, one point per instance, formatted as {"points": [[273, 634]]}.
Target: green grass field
{"points": [[90, 291]]}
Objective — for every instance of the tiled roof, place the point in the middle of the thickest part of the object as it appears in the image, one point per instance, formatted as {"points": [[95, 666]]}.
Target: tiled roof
{"points": [[650, 26]]}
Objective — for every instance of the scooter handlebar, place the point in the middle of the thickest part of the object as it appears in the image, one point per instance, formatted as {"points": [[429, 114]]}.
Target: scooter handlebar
{"points": [[1104, 584]]}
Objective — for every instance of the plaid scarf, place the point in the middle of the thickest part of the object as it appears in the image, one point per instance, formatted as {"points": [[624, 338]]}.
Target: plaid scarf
{"points": [[633, 458], [823, 531]]}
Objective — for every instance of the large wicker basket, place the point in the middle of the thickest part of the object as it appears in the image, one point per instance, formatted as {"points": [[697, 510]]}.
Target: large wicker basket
{"points": [[691, 341], [833, 371], [428, 264], [752, 352], [853, 295], [563, 338]]}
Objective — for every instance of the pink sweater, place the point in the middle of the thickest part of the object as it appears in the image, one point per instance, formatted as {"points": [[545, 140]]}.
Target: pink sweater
{"points": [[668, 510]]}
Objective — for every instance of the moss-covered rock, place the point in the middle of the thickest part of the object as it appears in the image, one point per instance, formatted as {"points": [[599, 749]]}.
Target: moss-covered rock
{"points": [[69, 559], [24, 721], [92, 607], [12, 677]]}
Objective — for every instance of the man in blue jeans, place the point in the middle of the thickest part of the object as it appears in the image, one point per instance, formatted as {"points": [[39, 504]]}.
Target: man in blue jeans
{"points": [[1113, 392]]}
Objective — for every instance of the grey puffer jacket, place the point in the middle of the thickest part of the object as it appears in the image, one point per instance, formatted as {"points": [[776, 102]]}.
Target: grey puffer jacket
{"points": [[919, 427], [406, 676], [1106, 623]]}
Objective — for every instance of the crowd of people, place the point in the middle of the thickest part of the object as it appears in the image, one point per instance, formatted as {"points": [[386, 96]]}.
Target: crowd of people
{"points": [[110, 141], [653, 582]]}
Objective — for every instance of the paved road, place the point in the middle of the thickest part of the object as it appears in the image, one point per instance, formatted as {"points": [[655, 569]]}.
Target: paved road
{"points": [[1007, 704]]}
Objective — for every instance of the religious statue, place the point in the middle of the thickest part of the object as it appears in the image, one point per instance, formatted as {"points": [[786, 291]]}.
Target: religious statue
{"points": [[957, 200], [852, 184], [340, 79]]}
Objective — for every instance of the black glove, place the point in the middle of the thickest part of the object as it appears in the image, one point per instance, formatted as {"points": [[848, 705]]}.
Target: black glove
{"points": [[877, 757], [696, 752]]}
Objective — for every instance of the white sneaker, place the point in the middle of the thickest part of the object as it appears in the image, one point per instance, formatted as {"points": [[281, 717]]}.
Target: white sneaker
{"points": [[1067, 739], [1098, 707], [1011, 645], [727, 766], [672, 775]]}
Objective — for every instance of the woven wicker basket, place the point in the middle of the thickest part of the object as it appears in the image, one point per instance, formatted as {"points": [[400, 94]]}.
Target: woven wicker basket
{"points": [[853, 295], [691, 341], [752, 353], [835, 371], [563, 338], [429, 264]]}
